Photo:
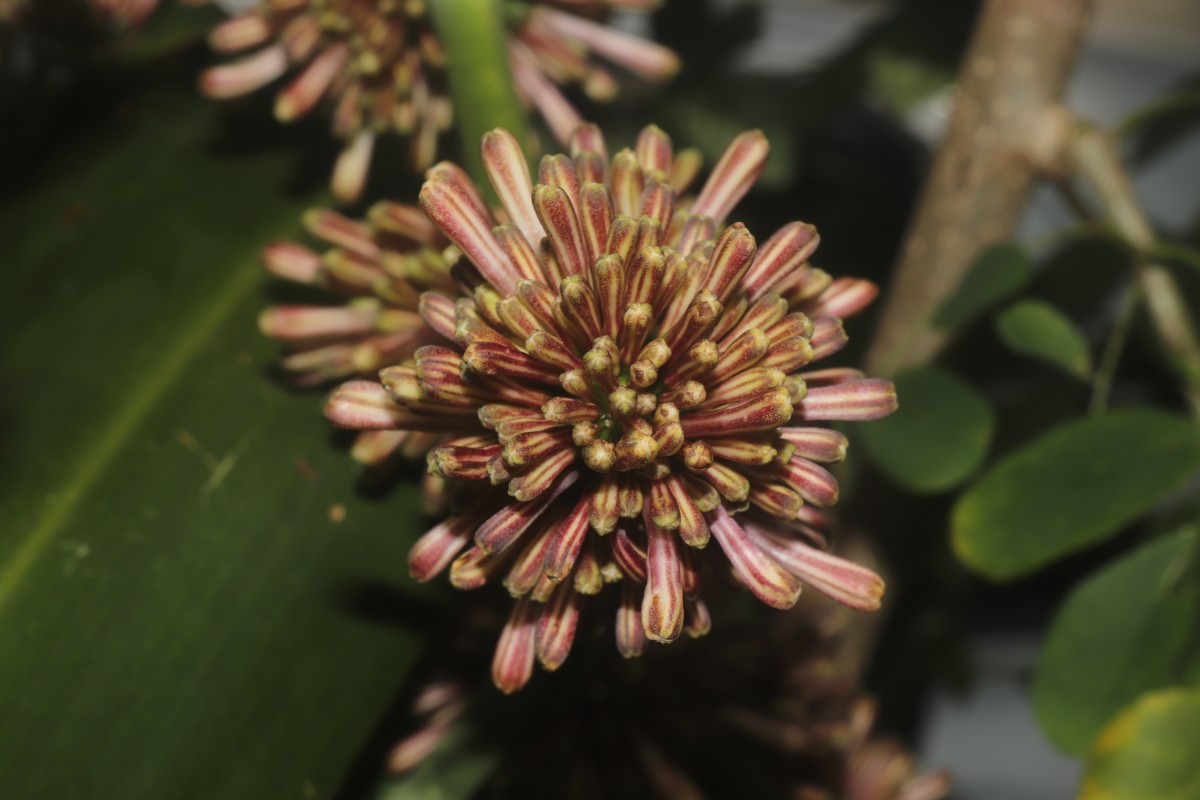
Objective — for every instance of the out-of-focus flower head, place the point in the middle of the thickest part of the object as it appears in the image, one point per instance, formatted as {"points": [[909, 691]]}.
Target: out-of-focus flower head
{"points": [[757, 710], [380, 66], [625, 379], [373, 272]]}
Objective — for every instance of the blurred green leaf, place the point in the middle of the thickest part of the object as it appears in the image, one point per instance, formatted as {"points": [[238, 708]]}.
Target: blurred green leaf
{"points": [[1126, 630], [903, 79], [939, 436], [1161, 125], [1075, 486], [172, 27], [999, 272], [1149, 752], [181, 612], [1038, 329]]}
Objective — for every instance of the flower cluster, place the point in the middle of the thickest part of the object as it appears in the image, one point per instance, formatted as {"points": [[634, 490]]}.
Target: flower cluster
{"points": [[622, 375], [381, 67]]}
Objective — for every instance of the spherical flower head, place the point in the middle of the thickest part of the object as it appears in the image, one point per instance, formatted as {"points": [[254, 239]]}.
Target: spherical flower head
{"points": [[626, 379], [381, 67]]}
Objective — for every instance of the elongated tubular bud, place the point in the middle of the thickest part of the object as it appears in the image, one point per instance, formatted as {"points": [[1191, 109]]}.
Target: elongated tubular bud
{"points": [[636, 325], [605, 512], [844, 298], [782, 254], [567, 540], [556, 627], [526, 570], [742, 450], [844, 581], [658, 202], [631, 638], [627, 184], [520, 254], [448, 202], [815, 484], [861, 400], [588, 578], [244, 75], [661, 506], [434, 551], [596, 216], [697, 362], [654, 151], [551, 350], [816, 444], [693, 529], [765, 412], [737, 170], [762, 575], [578, 297], [438, 312], [700, 318], [303, 93], [542, 475], [291, 261], [473, 569], [530, 448], [762, 314], [788, 355], [733, 485], [239, 33], [662, 603], [508, 172], [300, 323], [731, 258], [487, 358], [563, 229], [775, 499], [512, 665], [741, 354], [366, 405], [628, 556], [828, 337], [745, 385], [502, 528]]}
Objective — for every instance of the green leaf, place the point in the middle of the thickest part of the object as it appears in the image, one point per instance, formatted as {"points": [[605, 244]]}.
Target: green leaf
{"points": [[1167, 122], [1175, 252], [939, 436], [999, 272], [1148, 752], [1036, 328], [181, 615], [1126, 630], [1073, 487]]}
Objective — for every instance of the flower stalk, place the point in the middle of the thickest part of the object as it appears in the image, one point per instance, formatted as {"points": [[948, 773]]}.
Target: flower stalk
{"points": [[474, 36]]}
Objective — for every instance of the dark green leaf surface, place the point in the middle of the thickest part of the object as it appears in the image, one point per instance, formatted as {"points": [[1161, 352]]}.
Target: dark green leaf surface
{"points": [[939, 436], [1149, 752], [998, 273], [1038, 329], [180, 615], [1126, 630], [1073, 487]]}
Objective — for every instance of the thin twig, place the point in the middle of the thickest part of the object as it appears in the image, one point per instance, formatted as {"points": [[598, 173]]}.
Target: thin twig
{"points": [[1110, 359], [1094, 158]]}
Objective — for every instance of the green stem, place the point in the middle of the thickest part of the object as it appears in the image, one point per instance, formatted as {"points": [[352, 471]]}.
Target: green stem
{"points": [[1095, 160], [475, 38], [1111, 358]]}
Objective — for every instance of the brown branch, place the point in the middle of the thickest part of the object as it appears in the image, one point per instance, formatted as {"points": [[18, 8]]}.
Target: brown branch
{"points": [[1005, 129]]}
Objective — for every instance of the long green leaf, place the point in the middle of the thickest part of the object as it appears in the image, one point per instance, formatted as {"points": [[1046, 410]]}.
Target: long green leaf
{"points": [[181, 615], [1075, 486]]}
